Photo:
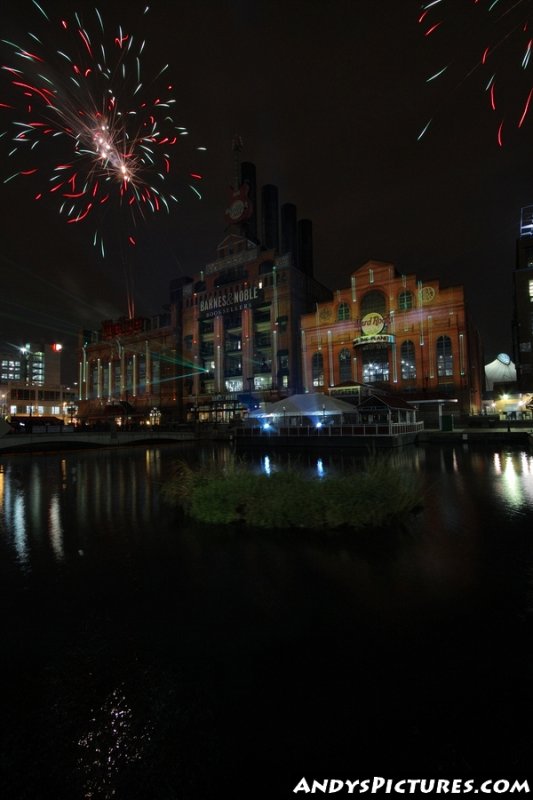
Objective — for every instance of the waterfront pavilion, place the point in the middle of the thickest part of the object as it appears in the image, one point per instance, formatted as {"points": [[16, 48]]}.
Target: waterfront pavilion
{"points": [[305, 409]]}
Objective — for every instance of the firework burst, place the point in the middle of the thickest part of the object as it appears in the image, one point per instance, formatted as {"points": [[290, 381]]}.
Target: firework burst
{"points": [[88, 128], [492, 39]]}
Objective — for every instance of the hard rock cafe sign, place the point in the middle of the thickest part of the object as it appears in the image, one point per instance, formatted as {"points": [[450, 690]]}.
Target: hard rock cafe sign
{"points": [[372, 324], [240, 207]]}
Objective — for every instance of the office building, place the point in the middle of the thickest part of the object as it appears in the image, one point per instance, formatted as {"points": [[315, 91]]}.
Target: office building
{"points": [[523, 304]]}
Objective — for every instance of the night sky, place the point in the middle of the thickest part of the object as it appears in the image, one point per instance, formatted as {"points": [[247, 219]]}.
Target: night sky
{"points": [[329, 99]]}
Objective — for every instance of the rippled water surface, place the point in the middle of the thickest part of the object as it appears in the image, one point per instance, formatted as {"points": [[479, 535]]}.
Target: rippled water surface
{"points": [[147, 657]]}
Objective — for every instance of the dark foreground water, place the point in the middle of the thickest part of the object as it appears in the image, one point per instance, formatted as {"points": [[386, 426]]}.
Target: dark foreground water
{"points": [[147, 657]]}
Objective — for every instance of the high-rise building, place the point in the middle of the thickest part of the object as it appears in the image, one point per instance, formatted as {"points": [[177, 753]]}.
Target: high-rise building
{"points": [[31, 363], [523, 303]]}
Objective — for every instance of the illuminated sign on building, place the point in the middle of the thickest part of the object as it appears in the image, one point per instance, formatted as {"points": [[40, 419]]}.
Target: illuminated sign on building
{"points": [[234, 260], [376, 338], [122, 327], [212, 305], [372, 324]]}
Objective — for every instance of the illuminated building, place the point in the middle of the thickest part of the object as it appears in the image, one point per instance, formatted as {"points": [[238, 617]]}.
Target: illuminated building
{"points": [[240, 314], [523, 304], [30, 381], [397, 333], [232, 331], [254, 325], [31, 363], [19, 399], [128, 370]]}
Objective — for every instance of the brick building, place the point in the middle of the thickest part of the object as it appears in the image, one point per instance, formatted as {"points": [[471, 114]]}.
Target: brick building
{"points": [[397, 333]]}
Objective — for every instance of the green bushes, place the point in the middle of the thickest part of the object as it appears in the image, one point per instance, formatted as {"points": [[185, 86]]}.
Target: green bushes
{"points": [[376, 496]]}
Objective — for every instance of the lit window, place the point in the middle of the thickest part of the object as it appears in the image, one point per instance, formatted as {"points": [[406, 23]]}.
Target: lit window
{"points": [[318, 369], [407, 354], [375, 365], [233, 385], [444, 357], [531, 290]]}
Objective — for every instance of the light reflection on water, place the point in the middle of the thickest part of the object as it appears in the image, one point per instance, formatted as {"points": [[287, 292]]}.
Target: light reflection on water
{"points": [[110, 743], [47, 498]]}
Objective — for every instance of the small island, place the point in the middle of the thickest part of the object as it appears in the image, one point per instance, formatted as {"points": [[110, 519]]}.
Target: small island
{"points": [[376, 496]]}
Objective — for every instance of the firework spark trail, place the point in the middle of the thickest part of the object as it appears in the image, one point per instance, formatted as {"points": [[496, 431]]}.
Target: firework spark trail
{"points": [[87, 126], [500, 36]]}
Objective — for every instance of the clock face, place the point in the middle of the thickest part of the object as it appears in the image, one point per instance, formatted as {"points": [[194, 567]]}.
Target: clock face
{"points": [[428, 295], [236, 209]]}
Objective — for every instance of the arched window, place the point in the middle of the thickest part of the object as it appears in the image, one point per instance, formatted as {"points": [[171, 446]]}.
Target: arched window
{"points": [[373, 302], [407, 356], [345, 365], [317, 366], [444, 357], [343, 311], [405, 300]]}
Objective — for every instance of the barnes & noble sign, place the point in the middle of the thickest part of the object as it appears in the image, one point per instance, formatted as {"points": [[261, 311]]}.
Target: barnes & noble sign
{"points": [[212, 305]]}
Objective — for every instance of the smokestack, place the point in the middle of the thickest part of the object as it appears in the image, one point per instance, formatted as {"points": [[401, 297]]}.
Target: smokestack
{"points": [[305, 246], [289, 231], [269, 213], [248, 177]]}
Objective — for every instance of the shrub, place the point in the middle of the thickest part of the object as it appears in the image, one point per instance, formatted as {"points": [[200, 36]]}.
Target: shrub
{"points": [[378, 495]]}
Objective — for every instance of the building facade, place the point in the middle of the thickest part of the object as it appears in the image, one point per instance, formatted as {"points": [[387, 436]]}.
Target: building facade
{"points": [[21, 399], [397, 333], [240, 322], [523, 304], [232, 336], [31, 363], [129, 372]]}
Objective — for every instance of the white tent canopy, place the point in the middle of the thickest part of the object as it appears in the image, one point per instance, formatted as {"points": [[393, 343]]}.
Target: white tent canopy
{"points": [[305, 405], [501, 370]]}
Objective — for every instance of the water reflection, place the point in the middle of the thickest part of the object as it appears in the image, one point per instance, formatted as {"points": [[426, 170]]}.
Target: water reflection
{"points": [[111, 743], [61, 502], [171, 654], [56, 529], [515, 480]]}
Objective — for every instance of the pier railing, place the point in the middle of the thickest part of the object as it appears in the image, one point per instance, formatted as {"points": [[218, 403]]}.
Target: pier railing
{"points": [[330, 431]]}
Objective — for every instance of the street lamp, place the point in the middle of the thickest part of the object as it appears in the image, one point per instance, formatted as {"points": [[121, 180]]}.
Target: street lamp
{"points": [[71, 411]]}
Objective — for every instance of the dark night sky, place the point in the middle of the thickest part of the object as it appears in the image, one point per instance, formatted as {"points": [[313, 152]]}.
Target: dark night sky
{"points": [[329, 98]]}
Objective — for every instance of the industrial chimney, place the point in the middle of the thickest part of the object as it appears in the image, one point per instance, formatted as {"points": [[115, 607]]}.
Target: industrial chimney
{"points": [[289, 230], [269, 214], [305, 246]]}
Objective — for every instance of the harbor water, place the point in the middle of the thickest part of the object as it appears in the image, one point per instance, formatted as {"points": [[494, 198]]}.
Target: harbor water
{"points": [[146, 657]]}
